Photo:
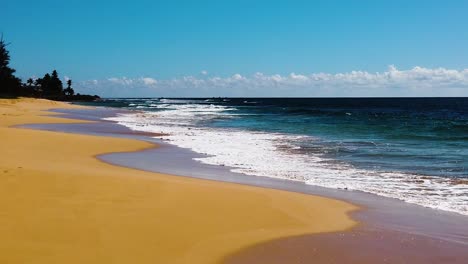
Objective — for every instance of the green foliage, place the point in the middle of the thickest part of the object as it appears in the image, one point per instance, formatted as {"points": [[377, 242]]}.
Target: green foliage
{"points": [[50, 86], [9, 83], [69, 91]]}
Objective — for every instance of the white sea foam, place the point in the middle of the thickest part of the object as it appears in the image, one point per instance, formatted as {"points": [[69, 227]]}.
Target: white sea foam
{"points": [[273, 155]]}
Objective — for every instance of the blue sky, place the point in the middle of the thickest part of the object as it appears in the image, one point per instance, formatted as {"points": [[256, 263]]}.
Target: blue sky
{"points": [[95, 42]]}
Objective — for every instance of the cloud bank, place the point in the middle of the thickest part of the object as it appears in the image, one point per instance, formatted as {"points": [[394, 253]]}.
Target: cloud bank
{"points": [[417, 81]]}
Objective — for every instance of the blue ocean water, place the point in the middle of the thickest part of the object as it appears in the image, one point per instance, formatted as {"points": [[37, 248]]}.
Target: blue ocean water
{"points": [[422, 136], [416, 147]]}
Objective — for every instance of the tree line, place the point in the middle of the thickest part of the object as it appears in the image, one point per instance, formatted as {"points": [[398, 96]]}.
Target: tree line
{"points": [[50, 86]]}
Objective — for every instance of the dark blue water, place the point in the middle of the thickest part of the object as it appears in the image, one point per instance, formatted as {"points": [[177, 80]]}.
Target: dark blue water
{"points": [[426, 136], [420, 135], [413, 149]]}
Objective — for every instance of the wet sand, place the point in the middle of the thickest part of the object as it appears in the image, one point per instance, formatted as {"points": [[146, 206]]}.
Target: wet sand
{"points": [[59, 204], [393, 231], [360, 246]]}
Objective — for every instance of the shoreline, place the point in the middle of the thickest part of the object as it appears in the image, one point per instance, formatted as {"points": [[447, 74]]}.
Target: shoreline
{"points": [[380, 212], [397, 231], [349, 146], [61, 203]]}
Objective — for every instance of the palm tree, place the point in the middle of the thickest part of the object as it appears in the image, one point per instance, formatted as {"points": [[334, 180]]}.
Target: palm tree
{"points": [[30, 82]]}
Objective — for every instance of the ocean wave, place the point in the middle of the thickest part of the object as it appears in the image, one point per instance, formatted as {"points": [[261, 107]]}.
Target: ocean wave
{"points": [[279, 155]]}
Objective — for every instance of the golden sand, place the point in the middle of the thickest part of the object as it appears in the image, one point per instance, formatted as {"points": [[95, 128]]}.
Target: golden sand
{"points": [[59, 204]]}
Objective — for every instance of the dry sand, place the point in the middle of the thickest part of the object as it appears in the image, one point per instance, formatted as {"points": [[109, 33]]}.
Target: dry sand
{"points": [[59, 204]]}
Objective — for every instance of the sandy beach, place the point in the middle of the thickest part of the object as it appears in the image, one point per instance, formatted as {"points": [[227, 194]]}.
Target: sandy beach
{"points": [[234, 132], [59, 204]]}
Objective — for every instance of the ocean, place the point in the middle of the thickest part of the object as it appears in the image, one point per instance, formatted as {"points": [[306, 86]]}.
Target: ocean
{"points": [[412, 149]]}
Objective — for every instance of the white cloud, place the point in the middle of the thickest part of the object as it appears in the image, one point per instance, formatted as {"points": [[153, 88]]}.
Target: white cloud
{"points": [[237, 78], [417, 81], [204, 72], [149, 81]]}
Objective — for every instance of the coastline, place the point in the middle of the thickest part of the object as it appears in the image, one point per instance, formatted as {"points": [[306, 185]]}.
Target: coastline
{"points": [[380, 212], [396, 231], [61, 204]]}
